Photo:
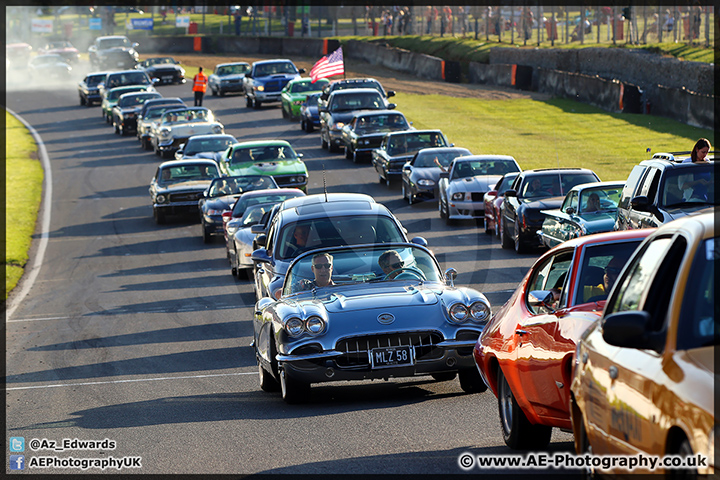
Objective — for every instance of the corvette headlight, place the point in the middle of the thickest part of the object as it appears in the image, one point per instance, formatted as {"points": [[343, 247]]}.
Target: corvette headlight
{"points": [[457, 196], [315, 325], [458, 313], [260, 88], [294, 327], [479, 312], [425, 182], [160, 199]]}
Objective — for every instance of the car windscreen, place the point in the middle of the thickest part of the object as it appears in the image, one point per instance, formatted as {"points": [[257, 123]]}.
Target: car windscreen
{"points": [[237, 185], [412, 142], [505, 184], [208, 144], [471, 168], [356, 101], [246, 200], [268, 153], [129, 100], [301, 87], [597, 200], [232, 70], [274, 69], [432, 159], [336, 231], [93, 80], [186, 173], [690, 184], [186, 116], [698, 317], [113, 42], [358, 84], [131, 78], [379, 123]]}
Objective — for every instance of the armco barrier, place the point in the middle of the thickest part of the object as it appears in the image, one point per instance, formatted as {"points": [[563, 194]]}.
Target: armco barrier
{"points": [[593, 90]]}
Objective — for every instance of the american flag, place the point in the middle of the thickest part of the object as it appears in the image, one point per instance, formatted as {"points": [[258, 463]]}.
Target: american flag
{"points": [[328, 66]]}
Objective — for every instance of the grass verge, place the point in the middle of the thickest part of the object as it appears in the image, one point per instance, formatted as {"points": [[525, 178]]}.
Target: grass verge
{"points": [[546, 134], [23, 191]]}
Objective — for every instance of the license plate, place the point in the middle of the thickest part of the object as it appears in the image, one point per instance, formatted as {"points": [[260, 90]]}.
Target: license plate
{"points": [[167, 79], [121, 64], [391, 356]]}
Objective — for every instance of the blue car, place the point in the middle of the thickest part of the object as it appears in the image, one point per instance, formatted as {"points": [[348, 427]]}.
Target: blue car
{"points": [[309, 113], [346, 313], [587, 208]]}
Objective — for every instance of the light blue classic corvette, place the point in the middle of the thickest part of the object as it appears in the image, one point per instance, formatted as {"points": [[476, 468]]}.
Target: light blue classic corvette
{"points": [[367, 312], [587, 208]]}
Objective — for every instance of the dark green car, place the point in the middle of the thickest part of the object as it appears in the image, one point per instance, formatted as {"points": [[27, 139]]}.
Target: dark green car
{"points": [[110, 98], [295, 93], [266, 157]]}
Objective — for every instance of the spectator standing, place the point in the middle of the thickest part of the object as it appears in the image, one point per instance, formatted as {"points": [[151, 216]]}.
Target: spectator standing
{"points": [[200, 82]]}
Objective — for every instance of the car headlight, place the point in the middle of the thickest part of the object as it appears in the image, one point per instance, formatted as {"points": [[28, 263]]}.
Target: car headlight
{"points": [[294, 327], [459, 313], [364, 142], [297, 179], [160, 199], [315, 325], [164, 132], [457, 196], [425, 182], [298, 102], [260, 88], [338, 125], [217, 129], [479, 312]]}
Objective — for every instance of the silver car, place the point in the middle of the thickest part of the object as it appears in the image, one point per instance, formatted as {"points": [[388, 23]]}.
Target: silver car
{"points": [[342, 316], [463, 186]]}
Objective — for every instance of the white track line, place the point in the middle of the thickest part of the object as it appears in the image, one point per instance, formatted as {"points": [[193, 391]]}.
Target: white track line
{"points": [[30, 276], [130, 380]]}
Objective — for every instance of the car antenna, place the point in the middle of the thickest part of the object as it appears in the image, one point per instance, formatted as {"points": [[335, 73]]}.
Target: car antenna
{"points": [[324, 184]]}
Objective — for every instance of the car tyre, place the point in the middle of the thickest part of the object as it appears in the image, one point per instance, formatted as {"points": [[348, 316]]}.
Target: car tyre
{"points": [[518, 432], [348, 153], [309, 127], [257, 104], [221, 92], [292, 390], [519, 245], [82, 101], [505, 242], [441, 210], [159, 216], [116, 128], [207, 238], [323, 143], [248, 102], [471, 381], [268, 383]]}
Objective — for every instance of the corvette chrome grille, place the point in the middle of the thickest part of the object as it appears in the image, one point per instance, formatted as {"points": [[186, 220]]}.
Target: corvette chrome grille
{"points": [[356, 349]]}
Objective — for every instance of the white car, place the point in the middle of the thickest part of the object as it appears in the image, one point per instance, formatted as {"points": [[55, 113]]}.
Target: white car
{"points": [[465, 183], [179, 124]]}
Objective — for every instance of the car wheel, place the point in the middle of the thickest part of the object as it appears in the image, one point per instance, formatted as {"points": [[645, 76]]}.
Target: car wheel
{"points": [[471, 381], [505, 241], [302, 125], [444, 376], [159, 216], [82, 101], [309, 127], [284, 113], [355, 157], [588, 473], [441, 210], [387, 180], [222, 92], [518, 432], [248, 102], [488, 230], [348, 153], [107, 118], [267, 381], [116, 128], [497, 226], [292, 390], [323, 143], [519, 245], [256, 104], [207, 238]]}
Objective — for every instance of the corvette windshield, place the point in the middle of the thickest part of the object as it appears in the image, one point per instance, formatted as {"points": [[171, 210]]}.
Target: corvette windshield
{"points": [[357, 265]]}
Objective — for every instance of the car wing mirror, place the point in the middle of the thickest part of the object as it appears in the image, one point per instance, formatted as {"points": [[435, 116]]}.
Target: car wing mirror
{"points": [[511, 193], [631, 330], [444, 174], [541, 298], [391, 106], [419, 241], [261, 255], [570, 210], [301, 70], [261, 241], [391, 93], [257, 229]]}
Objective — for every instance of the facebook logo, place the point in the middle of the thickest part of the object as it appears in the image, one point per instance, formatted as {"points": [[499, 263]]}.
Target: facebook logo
{"points": [[17, 462], [17, 444]]}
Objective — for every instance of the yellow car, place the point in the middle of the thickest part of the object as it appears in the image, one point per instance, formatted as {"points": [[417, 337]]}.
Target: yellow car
{"points": [[644, 376]]}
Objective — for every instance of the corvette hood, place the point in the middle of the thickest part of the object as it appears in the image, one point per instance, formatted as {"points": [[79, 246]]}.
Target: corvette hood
{"points": [[478, 183], [381, 296]]}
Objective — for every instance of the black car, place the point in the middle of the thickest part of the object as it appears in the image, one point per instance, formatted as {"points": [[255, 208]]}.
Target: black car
{"points": [[309, 114], [88, 90], [150, 115], [531, 192], [178, 185], [662, 189], [341, 108], [125, 112], [115, 51], [349, 83], [163, 70], [124, 78], [397, 148], [366, 130], [205, 146], [421, 175], [220, 197]]}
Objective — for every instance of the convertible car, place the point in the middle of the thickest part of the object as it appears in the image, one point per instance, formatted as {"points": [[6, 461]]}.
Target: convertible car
{"points": [[368, 323], [526, 352], [177, 125], [587, 208]]}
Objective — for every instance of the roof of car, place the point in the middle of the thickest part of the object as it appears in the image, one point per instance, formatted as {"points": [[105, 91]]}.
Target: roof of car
{"points": [[231, 63], [666, 163], [211, 136], [322, 198], [614, 183], [343, 208], [189, 161], [558, 170], [352, 91], [468, 158], [703, 224], [274, 60], [607, 237], [261, 143], [405, 132]]}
